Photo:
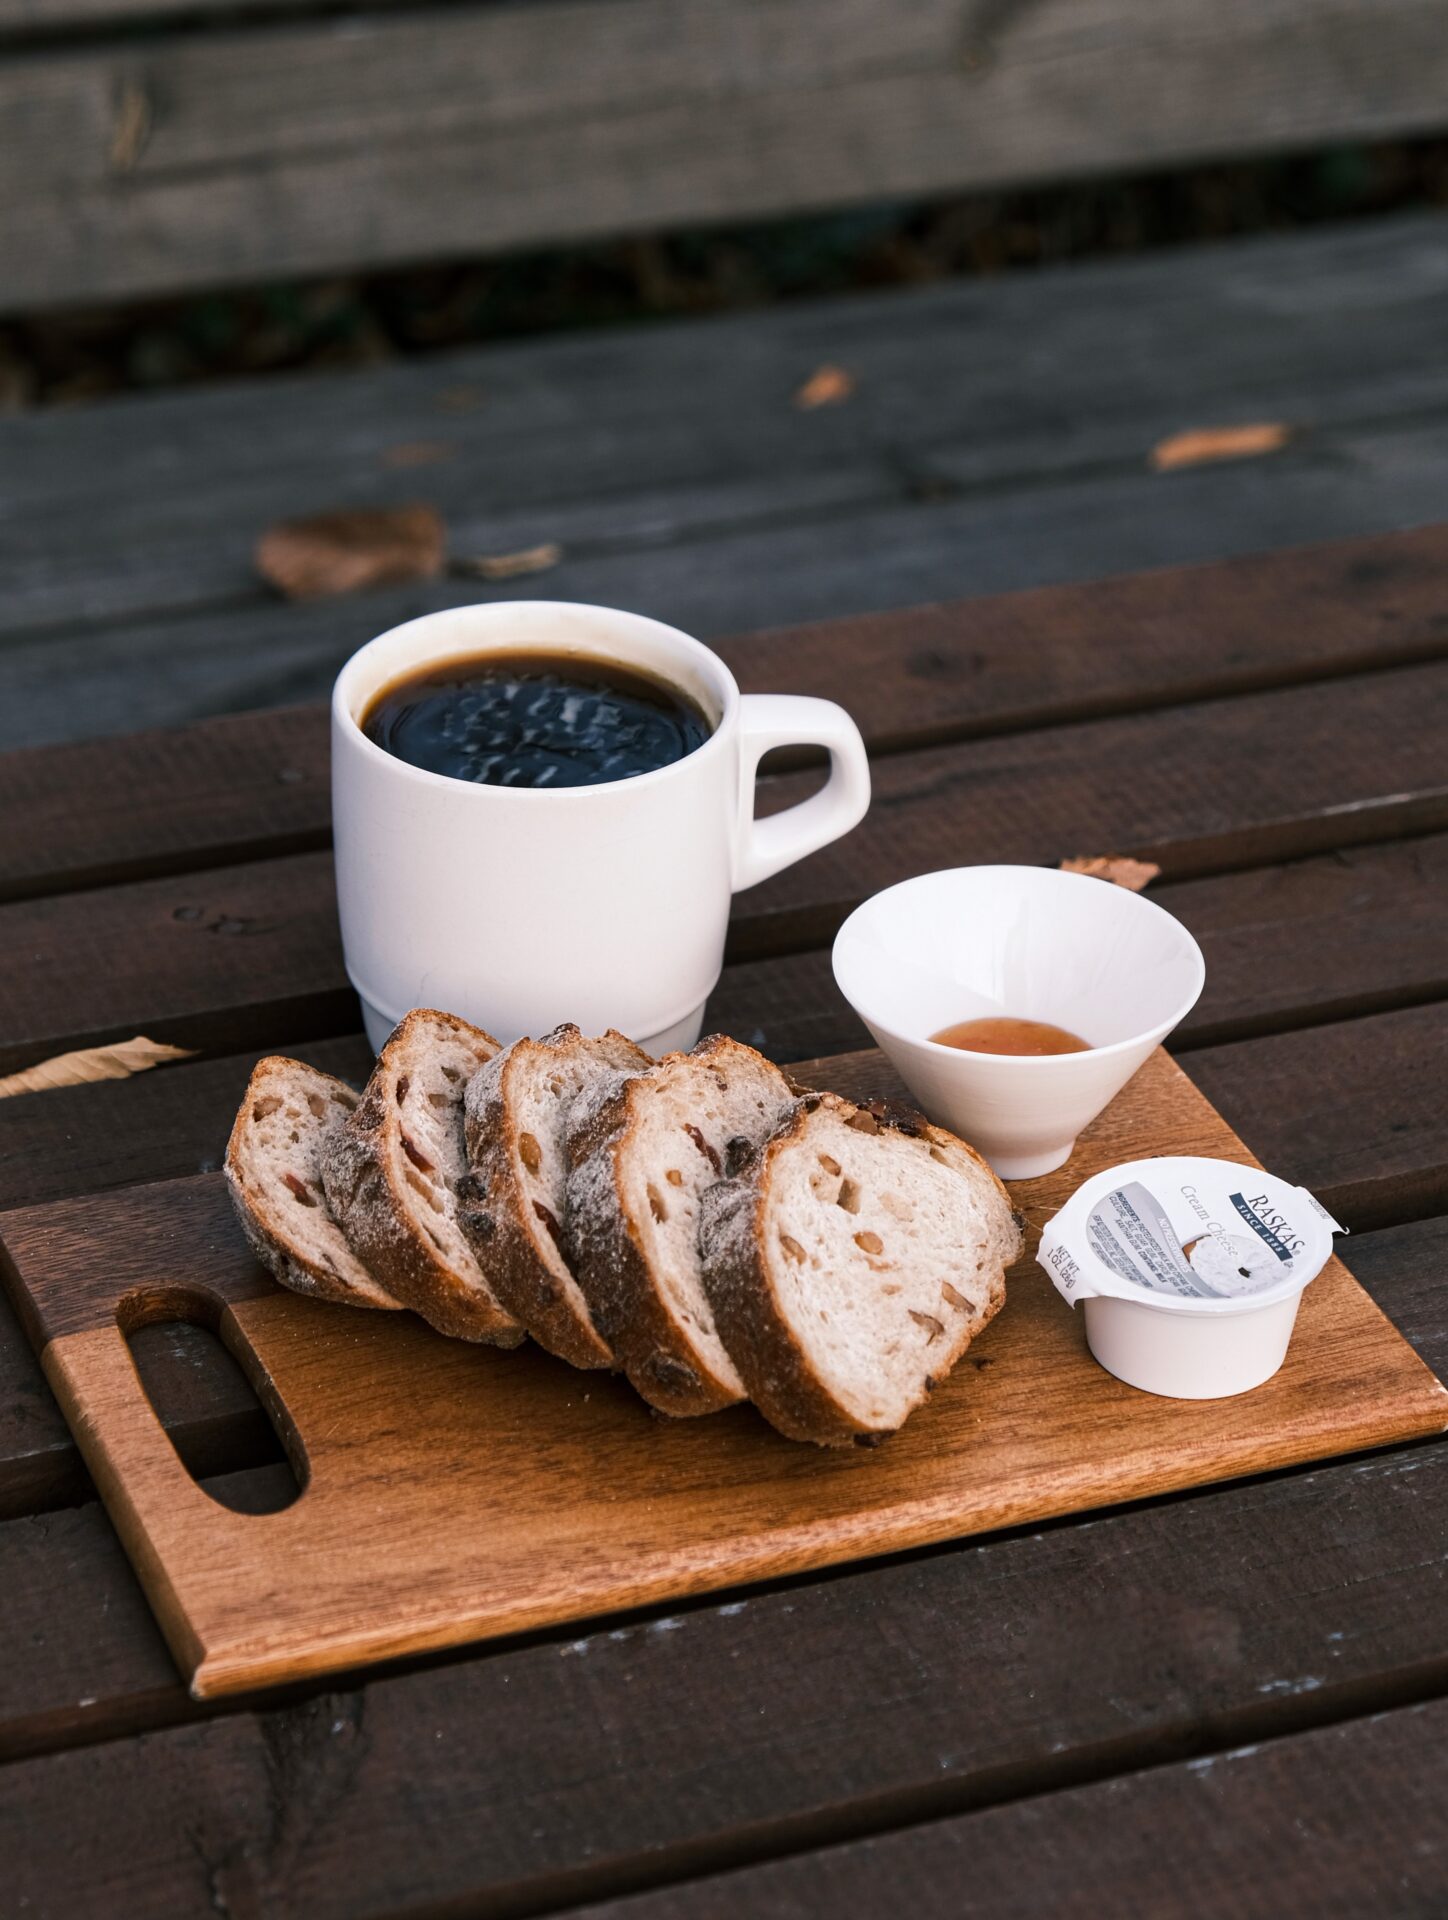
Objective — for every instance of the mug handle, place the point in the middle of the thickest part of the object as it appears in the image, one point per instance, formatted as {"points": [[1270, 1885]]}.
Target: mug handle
{"points": [[768, 720]]}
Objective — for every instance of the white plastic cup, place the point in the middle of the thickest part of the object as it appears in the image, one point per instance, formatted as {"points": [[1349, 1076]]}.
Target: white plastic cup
{"points": [[1190, 1271]]}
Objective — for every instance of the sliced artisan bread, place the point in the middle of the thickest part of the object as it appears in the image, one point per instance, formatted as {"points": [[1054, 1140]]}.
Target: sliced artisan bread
{"points": [[391, 1174], [850, 1264], [641, 1164], [514, 1208], [290, 1114]]}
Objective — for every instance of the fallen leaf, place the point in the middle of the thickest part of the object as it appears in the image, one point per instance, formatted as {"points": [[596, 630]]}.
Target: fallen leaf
{"points": [[827, 386], [459, 399], [132, 128], [417, 453], [116, 1062], [355, 547], [1119, 868], [508, 566], [1201, 444]]}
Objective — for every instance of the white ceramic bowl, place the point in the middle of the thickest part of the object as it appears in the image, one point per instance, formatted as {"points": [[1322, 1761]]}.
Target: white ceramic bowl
{"points": [[1029, 942]]}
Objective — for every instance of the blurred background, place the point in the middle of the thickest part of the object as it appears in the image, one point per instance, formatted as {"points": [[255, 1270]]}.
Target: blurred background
{"points": [[739, 312]]}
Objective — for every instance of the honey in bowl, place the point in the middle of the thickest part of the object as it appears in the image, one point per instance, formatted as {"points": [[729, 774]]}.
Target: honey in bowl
{"points": [[1001, 1034]]}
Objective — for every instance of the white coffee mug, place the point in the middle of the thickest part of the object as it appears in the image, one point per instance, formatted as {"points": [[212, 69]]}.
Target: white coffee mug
{"points": [[607, 905]]}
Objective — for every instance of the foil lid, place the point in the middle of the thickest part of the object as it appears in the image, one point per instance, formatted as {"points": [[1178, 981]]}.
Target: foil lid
{"points": [[1187, 1234]]}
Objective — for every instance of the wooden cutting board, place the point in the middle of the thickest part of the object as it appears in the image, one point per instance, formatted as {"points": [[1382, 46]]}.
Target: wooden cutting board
{"points": [[452, 1493]]}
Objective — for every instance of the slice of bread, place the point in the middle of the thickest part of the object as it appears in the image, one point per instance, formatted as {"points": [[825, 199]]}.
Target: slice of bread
{"points": [[850, 1264], [514, 1198], [641, 1164], [391, 1173], [289, 1115]]}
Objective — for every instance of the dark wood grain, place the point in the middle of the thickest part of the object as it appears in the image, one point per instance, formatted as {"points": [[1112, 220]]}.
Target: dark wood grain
{"points": [[235, 788], [323, 145], [770, 1723], [1347, 1819], [220, 791], [94, 1663], [1358, 1110], [243, 956], [214, 1418], [933, 541], [41, 1467], [1231, 783], [1403, 1268], [171, 1121], [633, 441]]}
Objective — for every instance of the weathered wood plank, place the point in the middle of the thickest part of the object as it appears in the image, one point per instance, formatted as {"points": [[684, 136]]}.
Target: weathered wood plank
{"points": [[1361, 1804], [1301, 1102], [163, 1124], [94, 1660], [800, 1716], [1231, 783], [222, 790], [152, 673], [410, 137], [636, 438], [215, 1420], [249, 955], [236, 788]]}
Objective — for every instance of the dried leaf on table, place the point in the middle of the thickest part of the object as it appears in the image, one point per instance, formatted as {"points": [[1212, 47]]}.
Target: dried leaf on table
{"points": [[417, 453], [459, 399], [1201, 444], [827, 386], [355, 547], [508, 566], [131, 129], [116, 1062], [1119, 868]]}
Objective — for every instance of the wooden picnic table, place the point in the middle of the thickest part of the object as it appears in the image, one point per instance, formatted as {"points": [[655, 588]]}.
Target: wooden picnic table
{"points": [[1228, 1700]]}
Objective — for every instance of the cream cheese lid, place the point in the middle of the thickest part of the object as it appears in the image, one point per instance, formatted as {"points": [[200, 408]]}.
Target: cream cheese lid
{"points": [[1187, 1235]]}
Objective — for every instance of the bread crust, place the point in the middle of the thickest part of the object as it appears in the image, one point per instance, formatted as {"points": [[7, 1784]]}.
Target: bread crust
{"points": [[523, 1253], [777, 1371], [361, 1176], [266, 1235], [614, 1271]]}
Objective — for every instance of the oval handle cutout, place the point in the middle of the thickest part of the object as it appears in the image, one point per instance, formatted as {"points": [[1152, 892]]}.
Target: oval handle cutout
{"points": [[222, 1431]]}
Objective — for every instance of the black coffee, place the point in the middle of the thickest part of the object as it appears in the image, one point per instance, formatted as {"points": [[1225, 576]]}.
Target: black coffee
{"points": [[535, 720]]}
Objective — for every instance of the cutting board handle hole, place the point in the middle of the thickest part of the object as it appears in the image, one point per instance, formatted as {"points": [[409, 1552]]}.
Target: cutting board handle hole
{"points": [[221, 1429]]}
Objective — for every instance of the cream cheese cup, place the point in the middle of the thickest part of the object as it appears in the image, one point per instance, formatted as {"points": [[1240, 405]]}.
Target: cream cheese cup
{"points": [[1190, 1271]]}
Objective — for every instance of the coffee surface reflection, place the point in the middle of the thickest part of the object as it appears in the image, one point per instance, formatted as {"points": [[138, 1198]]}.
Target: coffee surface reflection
{"points": [[535, 720]]}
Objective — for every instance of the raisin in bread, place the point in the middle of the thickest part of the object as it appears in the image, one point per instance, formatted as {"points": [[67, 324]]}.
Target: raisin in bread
{"points": [[289, 1116], [391, 1173], [641, 1164], [514, 1197], [850, 1264]]}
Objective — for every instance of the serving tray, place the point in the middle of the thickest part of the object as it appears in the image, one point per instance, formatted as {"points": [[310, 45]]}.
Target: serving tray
{"points": [[452, 1493]]}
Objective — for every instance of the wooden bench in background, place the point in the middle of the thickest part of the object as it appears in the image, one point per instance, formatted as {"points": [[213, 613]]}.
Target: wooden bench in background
{"points": [[999, 431]]}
